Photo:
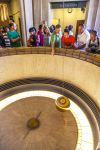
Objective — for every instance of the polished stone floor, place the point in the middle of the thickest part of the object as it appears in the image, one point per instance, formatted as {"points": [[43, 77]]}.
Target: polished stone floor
{"points": [[56, 131]]}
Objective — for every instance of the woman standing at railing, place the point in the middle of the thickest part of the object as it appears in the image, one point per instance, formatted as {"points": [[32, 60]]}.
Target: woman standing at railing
{"points": [[40, 36], [47, 37]]}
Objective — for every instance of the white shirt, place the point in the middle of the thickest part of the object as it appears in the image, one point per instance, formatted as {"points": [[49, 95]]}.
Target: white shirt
{"points": [[15, 26], [83, 38], [70, 33]]}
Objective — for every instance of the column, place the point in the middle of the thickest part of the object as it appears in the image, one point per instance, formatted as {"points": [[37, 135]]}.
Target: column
{"points": [[23, 25], [92, 12], [37, 12], [28, 15], [97, 22], [26, 18], [40, 11]]}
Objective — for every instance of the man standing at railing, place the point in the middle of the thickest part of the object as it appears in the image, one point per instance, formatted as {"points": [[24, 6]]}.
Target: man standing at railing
{"points": [[56, 38], [82, 38]]}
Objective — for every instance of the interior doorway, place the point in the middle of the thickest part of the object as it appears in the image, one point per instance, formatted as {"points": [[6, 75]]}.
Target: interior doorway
{"points": [[77, 25]]}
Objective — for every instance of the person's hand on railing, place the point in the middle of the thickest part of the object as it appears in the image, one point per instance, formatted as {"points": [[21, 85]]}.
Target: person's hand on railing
{"points": [[53, 49], [53, 52]]}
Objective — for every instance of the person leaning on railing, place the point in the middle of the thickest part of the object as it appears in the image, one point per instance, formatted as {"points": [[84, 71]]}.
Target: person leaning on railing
{"points": [[67, 40], [93, 45], [82, 37], [56, 38]]}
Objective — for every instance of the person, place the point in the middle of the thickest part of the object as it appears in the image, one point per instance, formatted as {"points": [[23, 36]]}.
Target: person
{"points": [[67, 40], [93, 45], [2, 44], [40, 36], [12, 21], [56, 38], [5, 37], [44, 23], [47, 37], [32, 41], [82, 38], [52, 28], [14, 36], [70, 27], [66, 27]]}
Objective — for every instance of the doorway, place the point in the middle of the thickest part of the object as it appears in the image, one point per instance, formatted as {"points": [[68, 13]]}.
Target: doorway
{"points": [[77, 25]]}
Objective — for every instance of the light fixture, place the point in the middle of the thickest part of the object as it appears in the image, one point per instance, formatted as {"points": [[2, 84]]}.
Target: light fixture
{"points": [[83, 9], [69, 10], [3, 12]]}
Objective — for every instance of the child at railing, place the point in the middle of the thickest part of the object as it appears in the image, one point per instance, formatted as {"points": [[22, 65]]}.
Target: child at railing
{"points": [[93, 45], [67, 40], [32, 41]]}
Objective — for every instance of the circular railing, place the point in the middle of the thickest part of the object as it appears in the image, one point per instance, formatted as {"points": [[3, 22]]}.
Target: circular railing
{"points": [[82, 55]]}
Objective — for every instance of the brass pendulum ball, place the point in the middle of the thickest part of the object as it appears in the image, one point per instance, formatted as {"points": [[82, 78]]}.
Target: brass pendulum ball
{"points": [[33, 123], [62, 103]]}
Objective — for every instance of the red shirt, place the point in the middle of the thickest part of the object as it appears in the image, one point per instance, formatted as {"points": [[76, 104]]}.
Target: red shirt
{"points": [[68, 41]]}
